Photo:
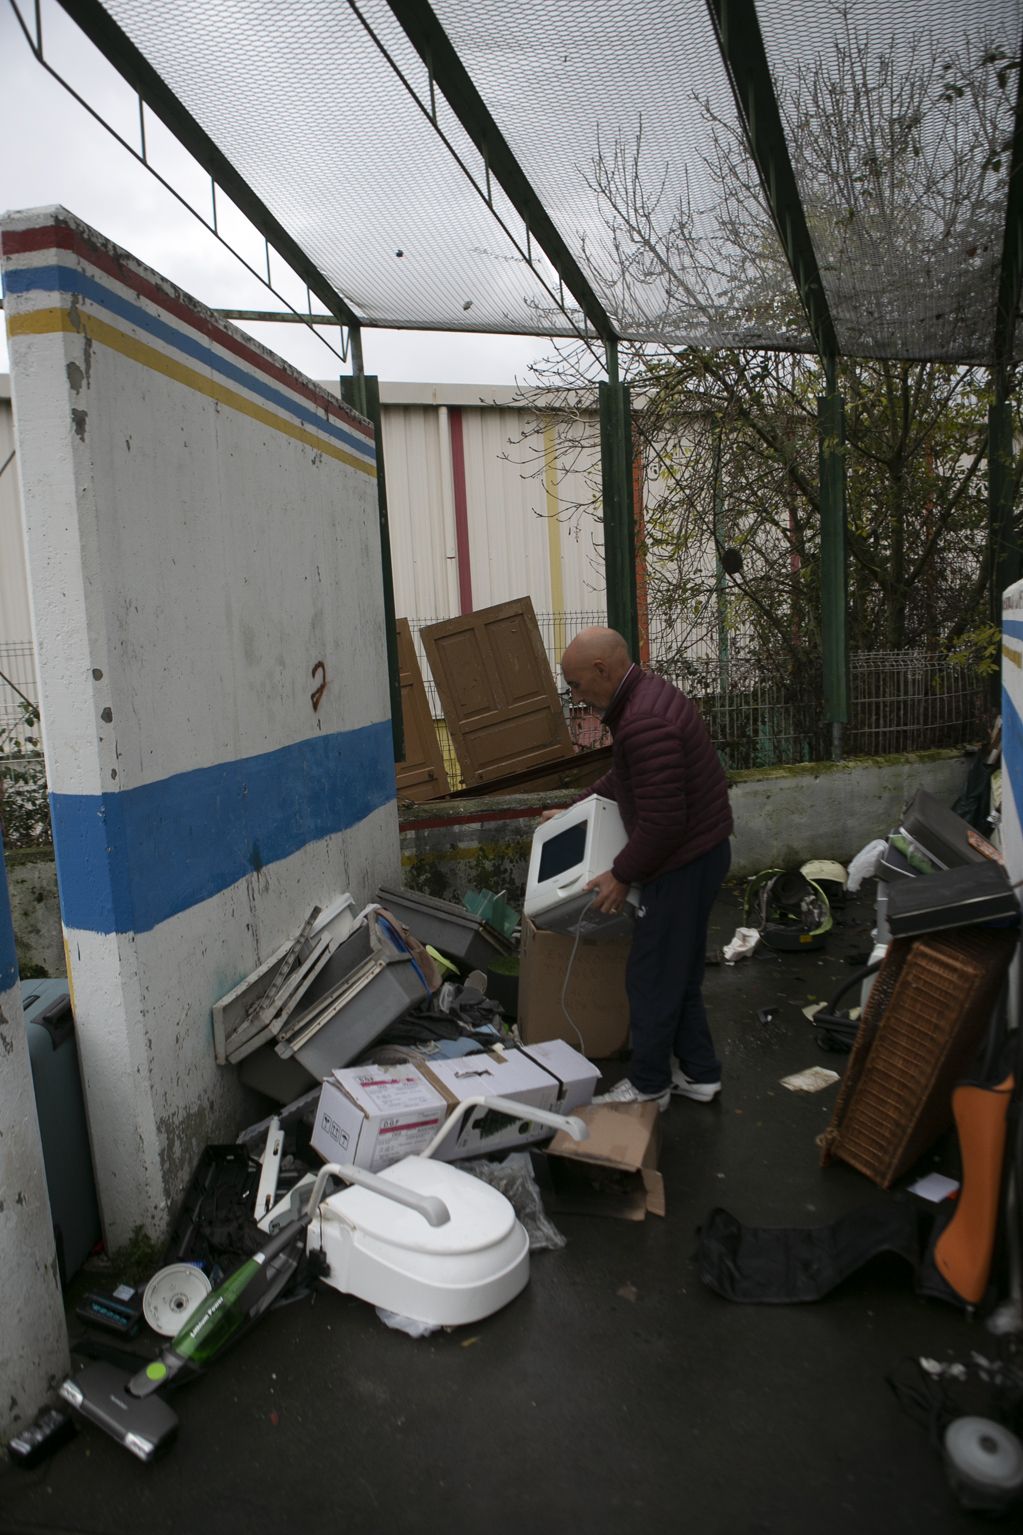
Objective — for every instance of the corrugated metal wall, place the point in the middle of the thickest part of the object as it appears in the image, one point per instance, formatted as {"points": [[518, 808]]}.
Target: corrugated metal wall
{"points": [[526, 531], [526, 507]]}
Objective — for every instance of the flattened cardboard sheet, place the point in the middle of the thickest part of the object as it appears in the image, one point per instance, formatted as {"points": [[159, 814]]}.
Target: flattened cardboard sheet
{"points": [[614, 1172]]}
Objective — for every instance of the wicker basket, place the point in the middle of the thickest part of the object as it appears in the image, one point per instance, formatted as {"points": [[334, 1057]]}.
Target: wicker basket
{"points": [[924, 1019]]}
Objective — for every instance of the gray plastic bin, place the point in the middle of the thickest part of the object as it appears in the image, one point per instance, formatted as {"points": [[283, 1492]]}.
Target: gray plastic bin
{"points": [[449, 928], [370, 980], [67, 1156]]}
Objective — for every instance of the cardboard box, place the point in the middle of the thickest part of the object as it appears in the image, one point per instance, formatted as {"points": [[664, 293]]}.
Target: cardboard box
{"points": [[375, 1115], [509, 1074], [575, 1075], [596, 991], [614, 1172]]}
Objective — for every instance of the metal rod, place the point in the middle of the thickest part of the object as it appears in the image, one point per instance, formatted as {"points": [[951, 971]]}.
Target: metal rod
{"points": [[355, 343], [136, 155]]}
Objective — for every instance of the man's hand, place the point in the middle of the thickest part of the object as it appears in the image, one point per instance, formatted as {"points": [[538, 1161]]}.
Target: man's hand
{"points": [[610, 893], [549, 815]]}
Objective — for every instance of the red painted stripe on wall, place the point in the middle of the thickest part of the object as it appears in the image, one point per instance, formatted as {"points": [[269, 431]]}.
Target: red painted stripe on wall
{"points": [[26, 242], [474, 818], [461, 510]]}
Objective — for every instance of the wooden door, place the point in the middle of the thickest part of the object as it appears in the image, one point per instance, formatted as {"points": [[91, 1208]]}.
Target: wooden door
{"points": [[421, 775], [496, 685]]}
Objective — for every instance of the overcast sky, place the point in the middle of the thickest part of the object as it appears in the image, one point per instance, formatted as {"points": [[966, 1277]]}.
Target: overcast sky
{"points": [[54, 152]]}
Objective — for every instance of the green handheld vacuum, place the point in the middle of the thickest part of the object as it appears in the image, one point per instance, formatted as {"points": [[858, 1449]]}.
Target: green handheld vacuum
{"points": [[127, 1406]]}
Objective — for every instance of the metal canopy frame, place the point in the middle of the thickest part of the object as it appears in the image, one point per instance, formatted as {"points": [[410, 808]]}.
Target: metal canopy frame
{"points": [[100, 28], [742, 49], [431, 42], [1010, 277], [738, 33], [740, 42]]}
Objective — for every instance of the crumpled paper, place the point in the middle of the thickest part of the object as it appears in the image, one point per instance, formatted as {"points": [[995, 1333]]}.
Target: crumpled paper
{"points": [[742, 945]]}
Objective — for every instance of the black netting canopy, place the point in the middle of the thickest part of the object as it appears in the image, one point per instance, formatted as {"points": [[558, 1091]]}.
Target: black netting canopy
{"points": [[804, 175]]}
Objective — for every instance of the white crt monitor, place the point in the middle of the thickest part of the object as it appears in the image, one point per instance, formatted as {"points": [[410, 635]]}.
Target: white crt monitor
{"points": [[568, 851]]}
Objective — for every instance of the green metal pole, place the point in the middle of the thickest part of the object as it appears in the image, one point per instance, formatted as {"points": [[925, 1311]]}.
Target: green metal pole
{"points": [[1005, 546], [834, 578], [721, 580], [362, 392], [619, 524]]}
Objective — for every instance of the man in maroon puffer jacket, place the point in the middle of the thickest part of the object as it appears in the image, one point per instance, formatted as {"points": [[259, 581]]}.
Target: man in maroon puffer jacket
{"points": [[673, 799]]}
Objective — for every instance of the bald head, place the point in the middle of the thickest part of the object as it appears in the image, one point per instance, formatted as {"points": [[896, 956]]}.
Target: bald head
{"points": [[594, 664]]}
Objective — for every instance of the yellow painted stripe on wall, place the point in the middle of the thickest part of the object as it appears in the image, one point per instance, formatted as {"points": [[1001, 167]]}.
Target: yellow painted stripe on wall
{"points": [[463, 854], [550, 485], [1015, 656], [42, 322]]}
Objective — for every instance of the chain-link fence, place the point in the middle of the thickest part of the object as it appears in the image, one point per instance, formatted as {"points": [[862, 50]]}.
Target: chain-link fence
{"points": [[900, 701], [24, 812], [18, 691]]}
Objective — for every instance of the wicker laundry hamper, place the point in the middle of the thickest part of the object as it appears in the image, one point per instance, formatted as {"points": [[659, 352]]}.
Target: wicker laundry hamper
{"points": [[924, 1019]]}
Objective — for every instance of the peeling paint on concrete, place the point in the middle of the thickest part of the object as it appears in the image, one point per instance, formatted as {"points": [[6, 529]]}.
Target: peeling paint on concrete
{"points": [[236, 518]]}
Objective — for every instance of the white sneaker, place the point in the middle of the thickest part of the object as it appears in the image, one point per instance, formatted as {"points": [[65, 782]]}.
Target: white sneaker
{"points": [[626, 1093], [684, 1087]]}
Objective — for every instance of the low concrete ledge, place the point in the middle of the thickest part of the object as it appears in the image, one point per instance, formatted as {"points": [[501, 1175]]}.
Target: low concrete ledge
{"points": [[783, 816]]}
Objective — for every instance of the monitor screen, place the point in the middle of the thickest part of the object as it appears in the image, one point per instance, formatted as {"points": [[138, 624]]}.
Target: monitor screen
{"points": [[562, 852]]}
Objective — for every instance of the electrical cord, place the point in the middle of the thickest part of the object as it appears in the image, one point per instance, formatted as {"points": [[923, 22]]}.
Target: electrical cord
{"points": [[568, 974]]}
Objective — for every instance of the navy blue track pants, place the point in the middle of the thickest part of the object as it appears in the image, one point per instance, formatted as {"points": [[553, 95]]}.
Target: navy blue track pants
{"points": [[664, 974]]}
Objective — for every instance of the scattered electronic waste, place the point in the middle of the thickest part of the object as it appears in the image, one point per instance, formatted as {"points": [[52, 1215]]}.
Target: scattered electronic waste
{"points": [[567, 852], [788, 909], [422, 1239], [984, 1465], [41, 1438], [118, 1310], [172, 1295], [466, 937], [402, 1091], [321, 1000], [128, 1407], [971, 1409]]}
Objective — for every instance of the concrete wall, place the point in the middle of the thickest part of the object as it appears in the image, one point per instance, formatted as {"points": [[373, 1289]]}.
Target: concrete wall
{"points": [[783, 816], [484, 843], [201, 532], [33, 1338]]}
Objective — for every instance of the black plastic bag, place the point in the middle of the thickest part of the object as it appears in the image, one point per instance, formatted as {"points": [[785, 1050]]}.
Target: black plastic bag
{"points": [[779, 1265]]}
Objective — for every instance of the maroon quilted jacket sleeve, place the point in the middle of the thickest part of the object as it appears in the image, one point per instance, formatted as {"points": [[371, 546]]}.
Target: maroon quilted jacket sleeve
{"points": [[653, 760], [666, 777]]}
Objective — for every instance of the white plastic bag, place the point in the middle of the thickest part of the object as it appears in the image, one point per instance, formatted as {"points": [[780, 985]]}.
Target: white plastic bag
{"points": [[864, 865], [742, 945]]}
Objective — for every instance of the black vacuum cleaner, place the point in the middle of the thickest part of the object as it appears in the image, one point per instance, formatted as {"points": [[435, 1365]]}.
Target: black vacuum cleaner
{"points": [[128, 1407]]}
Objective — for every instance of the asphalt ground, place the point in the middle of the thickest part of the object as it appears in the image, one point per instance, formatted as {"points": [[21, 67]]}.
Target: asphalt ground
{"points": [[617, 1391]]}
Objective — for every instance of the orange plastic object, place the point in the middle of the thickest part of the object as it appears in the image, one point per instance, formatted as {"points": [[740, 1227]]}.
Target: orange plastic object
{"points": [[964, 1250]]}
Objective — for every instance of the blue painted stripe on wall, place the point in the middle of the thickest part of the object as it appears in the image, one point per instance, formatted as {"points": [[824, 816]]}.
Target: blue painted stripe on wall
{"points": [[1012, 748], [129, 860], [1013, 627], [69, 280], [8, 954]]}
